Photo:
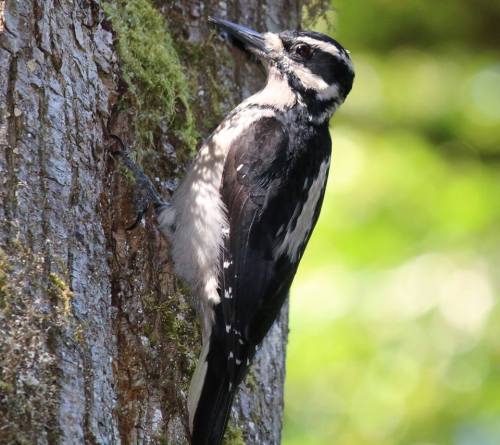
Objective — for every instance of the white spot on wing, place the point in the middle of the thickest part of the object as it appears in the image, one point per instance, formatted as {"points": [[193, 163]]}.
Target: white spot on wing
{"points": [[239, 167], [281, 228], [228, 328]]}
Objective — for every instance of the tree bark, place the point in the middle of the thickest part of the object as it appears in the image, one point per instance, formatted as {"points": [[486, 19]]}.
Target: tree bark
{"points": [[98, 339]]}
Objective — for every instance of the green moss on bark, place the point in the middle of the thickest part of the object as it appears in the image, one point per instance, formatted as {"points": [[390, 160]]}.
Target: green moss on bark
{"points": [[61, 294], [157, 86], [233, 436], [4, 285]]}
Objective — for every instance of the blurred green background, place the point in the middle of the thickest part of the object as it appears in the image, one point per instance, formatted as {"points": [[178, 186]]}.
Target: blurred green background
{"points": [[395, 321]]}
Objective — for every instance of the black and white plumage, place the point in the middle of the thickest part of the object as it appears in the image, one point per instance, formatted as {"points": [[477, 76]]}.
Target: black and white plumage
{"points": [[241, 219]]}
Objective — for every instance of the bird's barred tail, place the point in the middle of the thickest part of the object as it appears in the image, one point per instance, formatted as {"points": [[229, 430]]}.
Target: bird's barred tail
{"points": [[210, 396]]}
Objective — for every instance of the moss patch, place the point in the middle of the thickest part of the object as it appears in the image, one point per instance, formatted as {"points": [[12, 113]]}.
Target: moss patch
{"points": [[233, 436], [4, 285], [155, 80], [174, 323], [251, 381], [61, 294]]}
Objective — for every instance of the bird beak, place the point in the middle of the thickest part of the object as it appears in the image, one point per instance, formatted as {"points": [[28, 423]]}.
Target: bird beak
{"points": [[252, 41]]}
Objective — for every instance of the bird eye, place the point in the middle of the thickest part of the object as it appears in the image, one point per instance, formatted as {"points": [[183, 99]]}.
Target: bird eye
{"points": [[303, 50]]}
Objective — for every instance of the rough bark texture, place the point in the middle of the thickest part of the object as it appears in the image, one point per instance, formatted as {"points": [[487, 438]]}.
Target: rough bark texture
{"points": [[97, 337]]}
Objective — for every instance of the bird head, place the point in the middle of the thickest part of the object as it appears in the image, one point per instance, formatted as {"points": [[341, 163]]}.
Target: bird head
{"points": [[315, 66]]}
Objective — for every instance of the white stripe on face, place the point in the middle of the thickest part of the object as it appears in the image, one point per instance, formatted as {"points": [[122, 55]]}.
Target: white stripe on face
{"points": [[327, 48], [314, 82], [308, 78]]}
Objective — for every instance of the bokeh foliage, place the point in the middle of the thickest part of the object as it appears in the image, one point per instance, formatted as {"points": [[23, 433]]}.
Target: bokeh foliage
{"points": [[395, 322]]}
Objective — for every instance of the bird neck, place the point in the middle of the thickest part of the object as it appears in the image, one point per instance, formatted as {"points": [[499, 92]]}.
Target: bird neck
{"points": [[276, 94], [319, 107], [320, 111], [284, 92]]}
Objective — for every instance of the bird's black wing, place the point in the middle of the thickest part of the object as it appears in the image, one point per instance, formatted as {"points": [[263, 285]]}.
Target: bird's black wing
{"points": [[254, 170], [264, 188]]}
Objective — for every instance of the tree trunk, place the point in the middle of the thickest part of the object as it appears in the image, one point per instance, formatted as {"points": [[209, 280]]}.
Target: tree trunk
{"points": [[98, 339]]}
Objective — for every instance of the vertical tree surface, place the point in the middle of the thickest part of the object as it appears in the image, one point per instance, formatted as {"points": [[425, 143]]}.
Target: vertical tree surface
{"points": [[98, 339]]}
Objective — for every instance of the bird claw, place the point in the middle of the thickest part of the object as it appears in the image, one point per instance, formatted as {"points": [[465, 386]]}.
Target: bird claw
{"points": [[145, 192], [138, 220]]}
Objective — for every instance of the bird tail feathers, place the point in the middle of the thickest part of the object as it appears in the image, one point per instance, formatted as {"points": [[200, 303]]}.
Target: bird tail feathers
{"points": [[211, 395]]}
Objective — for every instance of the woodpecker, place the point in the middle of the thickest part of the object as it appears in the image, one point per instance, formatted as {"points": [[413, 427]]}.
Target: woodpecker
{"points": [[241, 219]]}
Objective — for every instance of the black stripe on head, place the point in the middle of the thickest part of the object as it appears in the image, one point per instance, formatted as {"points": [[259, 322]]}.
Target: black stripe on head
{"points": [[332, 70], [289, 37], [323, 38], [328, 60], [315, 107]]}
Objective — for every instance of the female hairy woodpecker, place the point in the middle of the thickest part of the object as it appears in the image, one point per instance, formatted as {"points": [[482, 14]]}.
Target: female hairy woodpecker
{"points": [[240, 220]]}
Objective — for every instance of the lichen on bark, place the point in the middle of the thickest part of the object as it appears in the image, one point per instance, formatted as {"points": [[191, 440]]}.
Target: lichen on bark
{"points": [[28, 365]]}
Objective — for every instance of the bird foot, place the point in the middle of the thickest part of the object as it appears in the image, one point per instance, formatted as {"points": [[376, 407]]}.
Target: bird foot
{"points": [[145, 193]]}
